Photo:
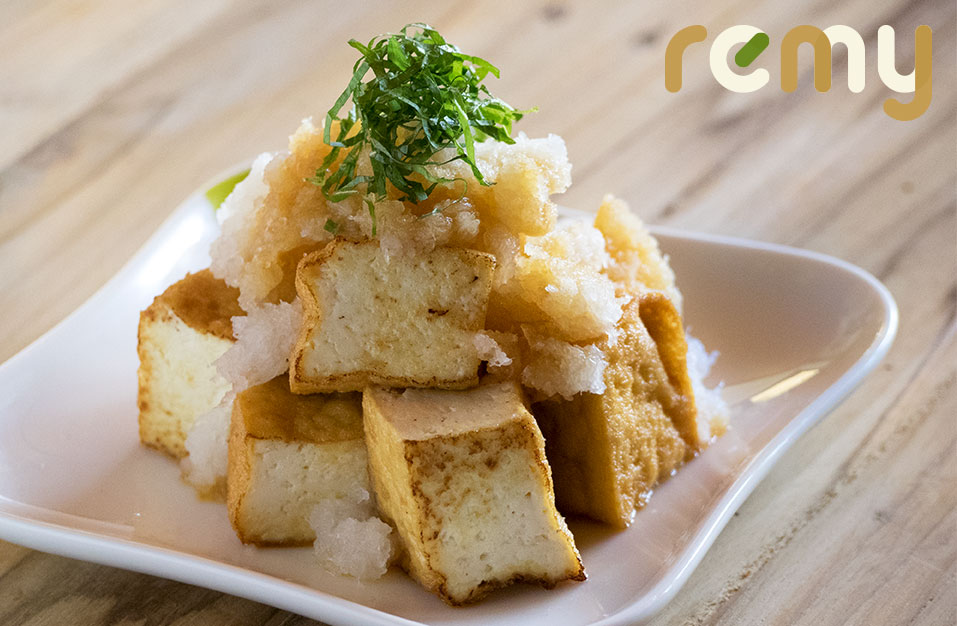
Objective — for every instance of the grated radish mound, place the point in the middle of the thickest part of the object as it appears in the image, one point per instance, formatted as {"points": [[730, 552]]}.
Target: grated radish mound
{"points": [[264, 339], [567, 281], [557, 367], [237, 217], [525, 174], [350, 539], [562, 273], [709, 402], [242, 200], [264, 236], [490, 351], [403, 233], [636, 260], [206, 444]]}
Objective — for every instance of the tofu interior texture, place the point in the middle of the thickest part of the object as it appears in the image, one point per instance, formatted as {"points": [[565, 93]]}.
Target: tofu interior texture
{"points": [[403, 321], [462, 475], [608, 451], [181, 334], [287, 453]]}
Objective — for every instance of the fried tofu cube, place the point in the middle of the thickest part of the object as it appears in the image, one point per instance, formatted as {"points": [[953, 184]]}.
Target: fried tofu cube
{"points": [[181, 334], [399, 321], [607, 451], [462, 475], [287, 453]]}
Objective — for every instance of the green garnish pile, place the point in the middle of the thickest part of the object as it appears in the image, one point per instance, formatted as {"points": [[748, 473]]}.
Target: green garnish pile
{"points": [[423, 96]]}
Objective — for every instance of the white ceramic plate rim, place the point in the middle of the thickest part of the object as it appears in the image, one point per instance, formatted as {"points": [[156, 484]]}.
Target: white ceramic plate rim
{"points": [[23, 524]]}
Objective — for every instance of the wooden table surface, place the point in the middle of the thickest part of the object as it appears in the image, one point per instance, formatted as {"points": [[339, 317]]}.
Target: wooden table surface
{"points": [[112, 111]]}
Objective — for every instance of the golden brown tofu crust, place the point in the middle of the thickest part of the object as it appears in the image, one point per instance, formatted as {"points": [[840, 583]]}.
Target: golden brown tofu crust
{"points": [[165, 441], [608, 451], [426, 462], [428, 456], [239, 471], [205, 304], [353, 381], [271, 411], [661, 318]]}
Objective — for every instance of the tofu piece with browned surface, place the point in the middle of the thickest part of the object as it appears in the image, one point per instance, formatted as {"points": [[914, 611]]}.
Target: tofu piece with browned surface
{"points": [[608, 451], [398, 321], [287, 453], [462, 476], [181, 334]]}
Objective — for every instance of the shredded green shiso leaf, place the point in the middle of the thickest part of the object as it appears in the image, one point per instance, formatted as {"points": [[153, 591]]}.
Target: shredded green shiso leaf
{"points": [[218, 192], [423, 96]]}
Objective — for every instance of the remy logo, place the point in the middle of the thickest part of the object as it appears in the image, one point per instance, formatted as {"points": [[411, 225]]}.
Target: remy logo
{"points": [[919, 82]]}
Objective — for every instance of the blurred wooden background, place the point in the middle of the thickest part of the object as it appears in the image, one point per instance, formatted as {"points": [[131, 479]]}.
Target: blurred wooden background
{"points": [[111, 112]]}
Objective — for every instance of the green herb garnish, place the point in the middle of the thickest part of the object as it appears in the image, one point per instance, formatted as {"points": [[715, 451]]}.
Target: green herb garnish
{"points": [[218, 192], [331, 227], [423, 96]]}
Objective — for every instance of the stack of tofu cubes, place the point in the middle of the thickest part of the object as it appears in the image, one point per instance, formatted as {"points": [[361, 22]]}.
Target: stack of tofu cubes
{"points": [[383, 393]]}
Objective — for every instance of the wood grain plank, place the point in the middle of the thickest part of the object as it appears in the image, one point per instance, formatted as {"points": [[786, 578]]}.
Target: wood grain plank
{"points": [[81, 49], [48, 590]]}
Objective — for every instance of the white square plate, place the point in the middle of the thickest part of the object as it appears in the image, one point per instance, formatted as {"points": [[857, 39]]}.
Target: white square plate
{"points": [[796, 332]]}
